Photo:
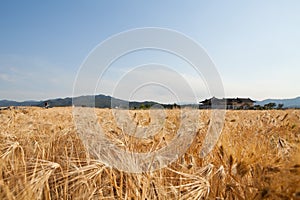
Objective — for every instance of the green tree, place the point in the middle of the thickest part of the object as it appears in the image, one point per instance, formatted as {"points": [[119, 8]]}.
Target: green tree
{"points": [[144, 107], [280, 106], [257, 107], [270, 105]]}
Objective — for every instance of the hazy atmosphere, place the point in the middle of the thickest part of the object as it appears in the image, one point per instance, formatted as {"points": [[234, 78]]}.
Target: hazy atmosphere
{"points": [[254, 45]]}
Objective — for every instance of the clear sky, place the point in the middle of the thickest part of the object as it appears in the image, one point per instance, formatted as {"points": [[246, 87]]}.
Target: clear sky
{"points": [[255, 45]]}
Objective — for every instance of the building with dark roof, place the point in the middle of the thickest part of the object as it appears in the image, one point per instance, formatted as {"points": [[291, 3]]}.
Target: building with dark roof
{"points": [[228, 103]]}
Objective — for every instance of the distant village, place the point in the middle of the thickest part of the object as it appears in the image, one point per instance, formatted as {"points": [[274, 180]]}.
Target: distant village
{"points": [[236, 104], [228, 103], [224, 103]]}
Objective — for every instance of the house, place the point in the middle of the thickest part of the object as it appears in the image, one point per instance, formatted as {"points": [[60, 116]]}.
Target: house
{"points": [[228, 103]]}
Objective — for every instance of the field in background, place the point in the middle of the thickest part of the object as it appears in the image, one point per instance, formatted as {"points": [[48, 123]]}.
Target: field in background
{"points": [[257, 157]]}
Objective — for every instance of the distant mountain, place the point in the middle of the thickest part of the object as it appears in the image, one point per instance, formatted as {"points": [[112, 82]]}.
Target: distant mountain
{"points": [[103, 101], [99, 101], [5, 103], [287, 103]]}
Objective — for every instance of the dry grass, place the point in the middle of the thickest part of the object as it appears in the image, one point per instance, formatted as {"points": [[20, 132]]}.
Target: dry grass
{"points": [[257, 157]]}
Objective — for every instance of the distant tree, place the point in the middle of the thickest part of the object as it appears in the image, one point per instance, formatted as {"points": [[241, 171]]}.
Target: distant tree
{"points": [[175, 106], [144, 107], [270, 106], [280, 106], [257, 107]]}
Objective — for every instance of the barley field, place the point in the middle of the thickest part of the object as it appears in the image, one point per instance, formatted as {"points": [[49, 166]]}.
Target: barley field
{"points": [[256, 157]]}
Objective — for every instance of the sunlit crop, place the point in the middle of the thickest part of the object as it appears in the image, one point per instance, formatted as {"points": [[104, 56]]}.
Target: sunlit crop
{"points": [[256, 157]]}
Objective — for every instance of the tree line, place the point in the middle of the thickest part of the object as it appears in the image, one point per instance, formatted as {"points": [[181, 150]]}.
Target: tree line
{"points": [[269, 106]]}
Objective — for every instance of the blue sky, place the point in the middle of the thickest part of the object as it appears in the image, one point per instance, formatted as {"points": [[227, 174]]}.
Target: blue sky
{"points": [[254, 44]]}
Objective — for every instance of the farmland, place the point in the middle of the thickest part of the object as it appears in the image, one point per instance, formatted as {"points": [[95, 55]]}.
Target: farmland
{"points": [[256, 157]]}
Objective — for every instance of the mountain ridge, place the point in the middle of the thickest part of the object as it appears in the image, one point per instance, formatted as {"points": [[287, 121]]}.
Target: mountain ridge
{"points": [[98, 101], [287, 103], [105, 101]]}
